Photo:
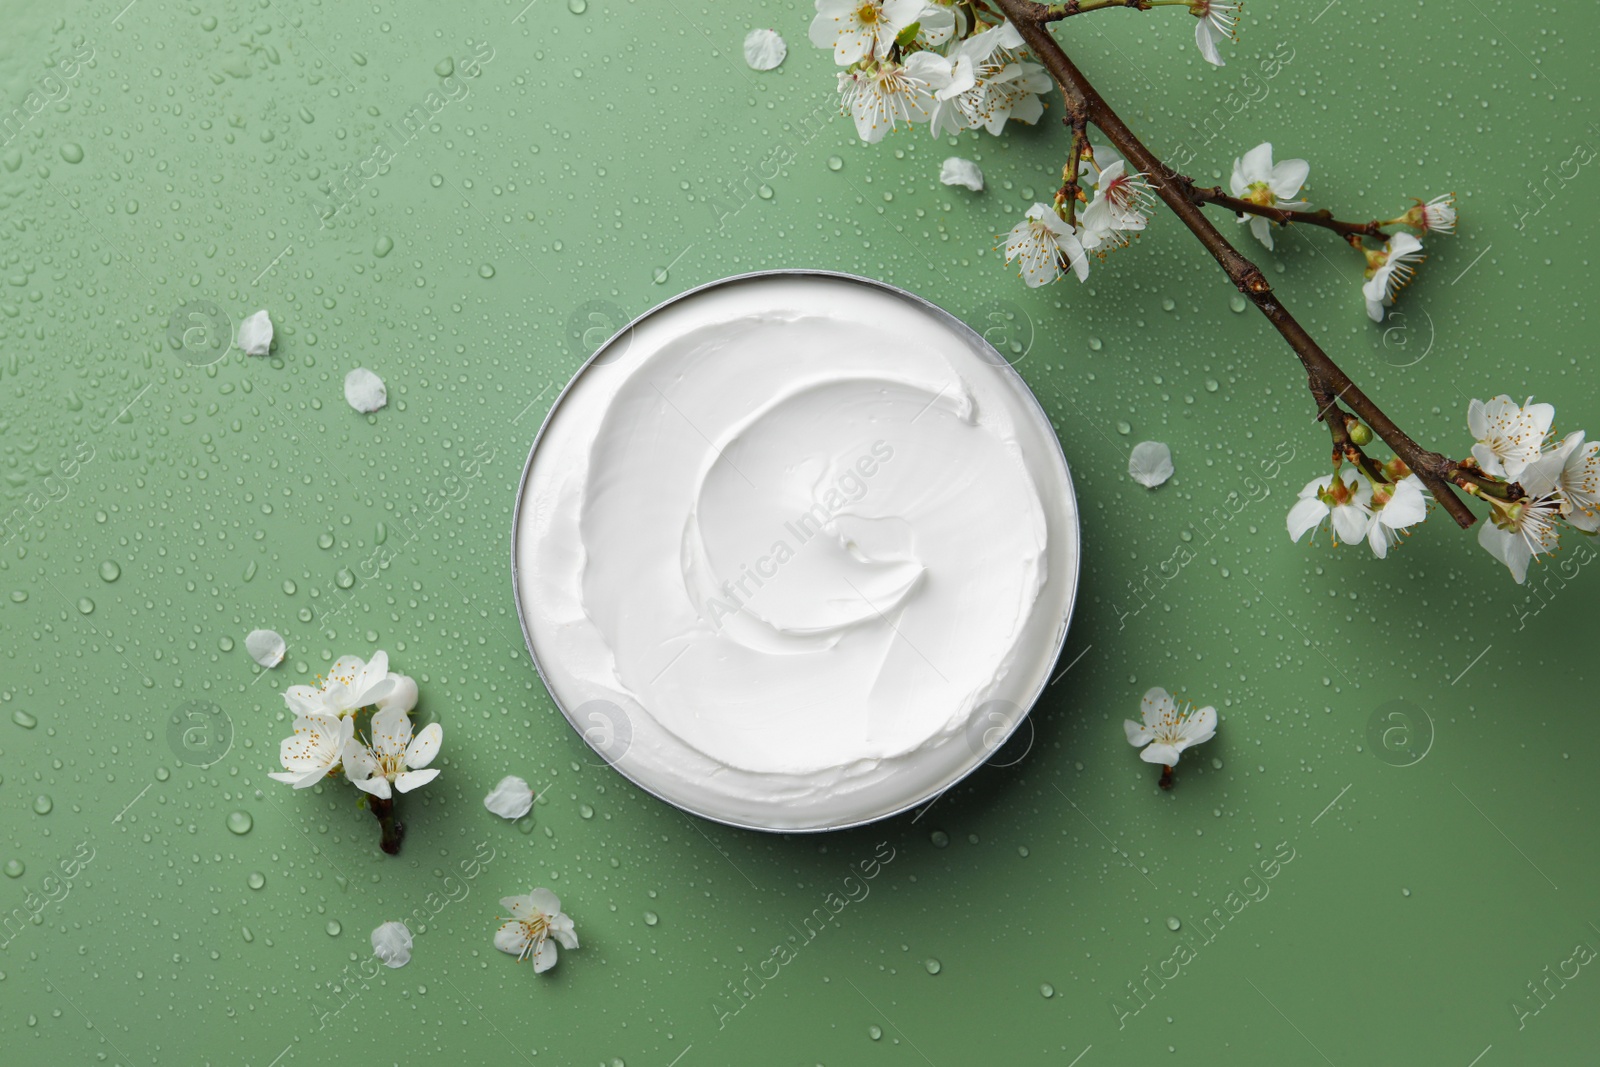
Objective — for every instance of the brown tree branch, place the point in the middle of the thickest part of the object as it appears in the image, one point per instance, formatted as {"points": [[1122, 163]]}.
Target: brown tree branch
{"points": [[1178, 193], [1323, 218]]}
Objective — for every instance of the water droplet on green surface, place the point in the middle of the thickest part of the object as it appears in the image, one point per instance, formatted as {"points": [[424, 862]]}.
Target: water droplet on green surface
{"points": [[445, 67], [72, 152], [1095, 344], [1047, 990], [23, 719], [835, 163], [1123, 428], [660, 275], [932, 965], [256, 880], [109, 571], [85, 605], [875, 1032], [764, 192], [248, 936], [585, 811], [1174, 923], [225, 643], [577, 7], [384, 246], [651, 918], [19, 596], [250, 570], [1403, 892], [939, 838], [333, 928], [240, 822], [344, 578], [14, 868], [42, 804], [162, 774], [289, 587], [325, 540], [486, 270], [1236, 302]]}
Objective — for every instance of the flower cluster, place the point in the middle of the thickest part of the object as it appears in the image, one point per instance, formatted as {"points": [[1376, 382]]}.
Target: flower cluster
{"points": [[385, 759], [1530, 481], [915, 61], [1053, 238]]}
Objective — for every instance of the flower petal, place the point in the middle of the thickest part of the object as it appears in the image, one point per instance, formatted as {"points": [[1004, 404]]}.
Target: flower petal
{"points": [[764, 49], [1307, 514], [511, 798], [545, 901], [1137, 734], [544, 957], [391, 943], [1165, 755], [266, 647], [1150, 463], [1206, 38], [1199, 727], [391, 732], [420, 752], [1287, 178], [406, 781], [377, 785], [1157, 706], [958, 171], [512, 938]]}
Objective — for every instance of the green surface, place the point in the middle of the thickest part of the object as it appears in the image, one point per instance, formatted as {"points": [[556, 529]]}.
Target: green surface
{"points": [[600, 162]]}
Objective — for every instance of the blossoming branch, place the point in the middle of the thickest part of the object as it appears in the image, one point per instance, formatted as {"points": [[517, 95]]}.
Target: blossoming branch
{"points": [[956, 65]]}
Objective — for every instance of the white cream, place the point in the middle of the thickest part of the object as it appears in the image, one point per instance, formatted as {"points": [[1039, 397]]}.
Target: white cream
{"points": [[795, 551]]}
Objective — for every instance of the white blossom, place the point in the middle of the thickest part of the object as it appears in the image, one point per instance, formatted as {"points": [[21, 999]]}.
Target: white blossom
{"points": [[350, 685], [1404, 504], [535, 918], [866, 29], [1436, 215], [393, 758], [1509, 435], [1217, 22], [1389, 271], [881, 96], [1344, 497], [313, 750], [1166, 730], [1257, 179], [1573, 476], [1039, 242]]}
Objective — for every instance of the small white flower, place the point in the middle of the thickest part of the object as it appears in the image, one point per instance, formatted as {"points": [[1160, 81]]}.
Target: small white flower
{"points": [[1255, 178], [535, 918], [315, 749], [1167, 731], [349, 686], [1013, 92], [365, 391], [266, 647], [1117, 209], [958, 171], [1438, 214], [1509, 436], [1407, 505], [880, 97], [1217, 22], [394, 756], [1515, 533], [512, 798], [1039, 242], [866, 29], [1574, 477], [391, 943], [764, 49], [1344, 496], [255, 334], [1150, 463], [1389, 271]]}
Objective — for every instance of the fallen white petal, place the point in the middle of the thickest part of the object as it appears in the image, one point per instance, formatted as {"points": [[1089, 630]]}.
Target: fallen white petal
{"points": [[958, 171], [511, 799], [364, 390], [764, 49], [1150, 464], [391, 943], [255, 334], [266, 647]]}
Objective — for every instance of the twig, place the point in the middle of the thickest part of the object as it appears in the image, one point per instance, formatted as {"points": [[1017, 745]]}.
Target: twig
{"points": [[1435, 470], [1323, 218]]}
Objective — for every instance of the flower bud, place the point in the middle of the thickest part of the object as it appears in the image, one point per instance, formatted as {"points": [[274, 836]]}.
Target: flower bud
{"points": [[1360, 434]]}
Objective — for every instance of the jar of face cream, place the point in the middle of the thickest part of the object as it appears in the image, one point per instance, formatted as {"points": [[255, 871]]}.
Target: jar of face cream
{"points": [[796, 551]]}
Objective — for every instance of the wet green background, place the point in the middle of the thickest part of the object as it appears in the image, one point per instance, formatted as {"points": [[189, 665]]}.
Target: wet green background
{"points": [[602, 160]]}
